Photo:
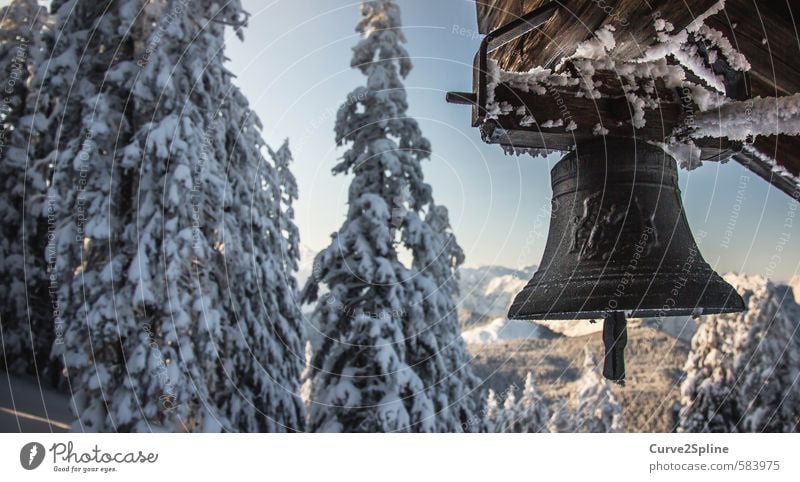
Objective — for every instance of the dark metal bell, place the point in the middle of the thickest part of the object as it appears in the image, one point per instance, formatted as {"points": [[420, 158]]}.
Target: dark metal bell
{"points": [[619, 245]]}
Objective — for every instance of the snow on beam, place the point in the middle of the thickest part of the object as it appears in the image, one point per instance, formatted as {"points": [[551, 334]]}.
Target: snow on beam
{"points": [[577, 22], [743, 120]]}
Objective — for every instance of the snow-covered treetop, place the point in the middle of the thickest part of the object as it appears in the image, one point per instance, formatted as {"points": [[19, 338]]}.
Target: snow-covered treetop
{"points": [[597, 407], [380, 28], [373, 120]]}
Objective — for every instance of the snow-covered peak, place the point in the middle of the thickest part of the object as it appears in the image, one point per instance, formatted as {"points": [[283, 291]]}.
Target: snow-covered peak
{"points": [[794, 283], [487, 292], [306, 264], [502, 329]]}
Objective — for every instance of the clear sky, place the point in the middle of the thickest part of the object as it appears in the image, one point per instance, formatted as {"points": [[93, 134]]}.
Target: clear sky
{"points": [[294, 67]]}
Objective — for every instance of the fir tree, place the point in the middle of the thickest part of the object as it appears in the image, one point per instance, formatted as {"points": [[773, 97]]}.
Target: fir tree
{"points": [[507, 414], [742, 373], [28, 317], [708, 402], [767, 364], [359, 372], [173, 283], [561, 421], [492, 412], [436, 350], [262, 355], [412, 309], [533, 414], [597, 409], [528, 414]]}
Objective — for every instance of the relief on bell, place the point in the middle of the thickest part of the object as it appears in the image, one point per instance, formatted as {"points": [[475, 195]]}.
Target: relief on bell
{"points": [[599, 230]]}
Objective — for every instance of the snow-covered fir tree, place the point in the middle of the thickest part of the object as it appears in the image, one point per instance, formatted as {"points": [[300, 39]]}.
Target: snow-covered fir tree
{"points": [[533, 414], [492, 411], [282, 159], [436, 350], [507, 414], [526, 414], [170, 250], [707, 392], [262, 356], [767, 363], [597, 409], [391, 358], [742, 374], [561, 420], [28, 317]]}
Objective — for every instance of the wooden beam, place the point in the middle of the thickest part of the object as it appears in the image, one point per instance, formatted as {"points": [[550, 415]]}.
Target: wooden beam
{"points": [[745, 23], [560, 106], [783, 149], [577, 21], [775, 71], [788, 183]]}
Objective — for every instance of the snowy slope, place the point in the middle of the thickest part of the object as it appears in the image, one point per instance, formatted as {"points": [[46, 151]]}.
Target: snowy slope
{"points": [[502, 329], [487, 292], [306, 265]]}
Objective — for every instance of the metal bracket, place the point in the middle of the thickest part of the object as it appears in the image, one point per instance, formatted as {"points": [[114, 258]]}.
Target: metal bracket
{"points": [[493, 41]]}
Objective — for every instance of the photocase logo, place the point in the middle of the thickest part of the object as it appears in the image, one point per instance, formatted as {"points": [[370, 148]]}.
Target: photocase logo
{"points": [[31, 455]]}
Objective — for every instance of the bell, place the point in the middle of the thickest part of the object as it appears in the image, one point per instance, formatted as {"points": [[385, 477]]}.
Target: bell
{"points": [[619, 246]]}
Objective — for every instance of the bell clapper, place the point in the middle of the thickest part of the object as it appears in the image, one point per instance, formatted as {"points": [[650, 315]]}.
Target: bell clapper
{"points": [[615, 338]]}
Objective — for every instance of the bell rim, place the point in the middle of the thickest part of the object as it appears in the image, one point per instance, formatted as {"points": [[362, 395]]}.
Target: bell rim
{"points": [[649, 313], [716, 296]]}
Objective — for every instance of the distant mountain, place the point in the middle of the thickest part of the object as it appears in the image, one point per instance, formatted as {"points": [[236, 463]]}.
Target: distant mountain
{"points": [[794, 283], [502, 329], [487, 292], [306, 265]]}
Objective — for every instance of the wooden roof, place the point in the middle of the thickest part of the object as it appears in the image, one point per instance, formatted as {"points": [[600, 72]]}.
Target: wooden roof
{"points": [[764, 32]]}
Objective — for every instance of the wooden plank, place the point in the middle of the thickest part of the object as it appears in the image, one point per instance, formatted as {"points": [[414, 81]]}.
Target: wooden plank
{"points": [[561, 106], [775, 71], [788, 183], [783, 149], [634, 22], [744, 22], [577, 21]]}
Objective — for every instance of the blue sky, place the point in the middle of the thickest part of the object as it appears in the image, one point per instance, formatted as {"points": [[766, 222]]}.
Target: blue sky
{"points": [[294, 67]]}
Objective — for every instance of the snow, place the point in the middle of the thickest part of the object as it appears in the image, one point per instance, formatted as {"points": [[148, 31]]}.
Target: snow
{"points": [[598, 46], [687, 154], [599, 130], [502, 329], [735, 59], [388, 332], [754, 117], [697, 23], [573, 328], [690, 60], [742, 372], [487, 292]]}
